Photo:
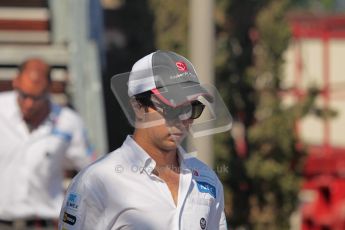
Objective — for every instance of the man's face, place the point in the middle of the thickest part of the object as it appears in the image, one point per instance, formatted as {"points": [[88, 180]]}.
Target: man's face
{"points": [[32, 87], [169, 134], [175, 124]]}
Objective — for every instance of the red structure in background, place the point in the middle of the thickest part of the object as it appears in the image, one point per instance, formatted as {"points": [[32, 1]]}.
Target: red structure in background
{"points": [[324, 170]]}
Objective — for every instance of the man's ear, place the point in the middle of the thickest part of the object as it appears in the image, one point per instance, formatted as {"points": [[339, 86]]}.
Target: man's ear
{"points": [[138, 109]]}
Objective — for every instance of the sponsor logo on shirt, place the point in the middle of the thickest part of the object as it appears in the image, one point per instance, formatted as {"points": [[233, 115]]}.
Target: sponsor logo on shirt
{"points": [[195, 173], [203, 223], [69, 219], [206, 188], [49, 155], [73, 201]]}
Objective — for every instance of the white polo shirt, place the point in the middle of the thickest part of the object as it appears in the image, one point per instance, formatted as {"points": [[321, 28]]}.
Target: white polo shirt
{"points": [[120, 191], [32, 163]]}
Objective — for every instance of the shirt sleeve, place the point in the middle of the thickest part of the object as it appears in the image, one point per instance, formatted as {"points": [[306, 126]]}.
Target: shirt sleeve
{"points": [[82, 208]]}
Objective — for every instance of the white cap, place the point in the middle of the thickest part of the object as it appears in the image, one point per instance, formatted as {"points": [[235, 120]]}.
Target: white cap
{"points": [[171, 77]]}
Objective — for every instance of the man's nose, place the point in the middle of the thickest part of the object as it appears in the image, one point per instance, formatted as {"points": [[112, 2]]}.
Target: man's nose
{"points": [[183, 124], [187, 123]]}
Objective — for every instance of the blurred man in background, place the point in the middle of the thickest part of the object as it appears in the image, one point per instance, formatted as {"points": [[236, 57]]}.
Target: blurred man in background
{"points": [[39, 140]]}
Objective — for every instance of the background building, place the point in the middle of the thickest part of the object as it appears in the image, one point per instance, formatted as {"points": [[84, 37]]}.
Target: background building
{"points": [[315, 58]]}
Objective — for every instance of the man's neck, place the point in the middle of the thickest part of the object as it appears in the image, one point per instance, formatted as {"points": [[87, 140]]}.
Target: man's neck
{"points": [[162, 157], [167, 164]]}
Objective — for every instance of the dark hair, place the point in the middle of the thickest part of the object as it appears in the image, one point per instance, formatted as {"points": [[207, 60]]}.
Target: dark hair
{"points": [[144, 99], [23, 65]]}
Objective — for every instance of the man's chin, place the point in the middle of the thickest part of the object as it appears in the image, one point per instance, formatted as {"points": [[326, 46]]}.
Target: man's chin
{"points": [[177, 138], [27, 117]]}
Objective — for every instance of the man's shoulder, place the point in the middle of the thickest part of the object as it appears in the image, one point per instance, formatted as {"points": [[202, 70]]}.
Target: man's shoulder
{"points": [[66, 117], [66, 112], [6, 94], [108, 165], [7, 98], [8, 102]]}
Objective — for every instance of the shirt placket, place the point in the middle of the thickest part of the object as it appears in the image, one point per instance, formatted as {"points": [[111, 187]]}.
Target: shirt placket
{"points": [[184, 189]]}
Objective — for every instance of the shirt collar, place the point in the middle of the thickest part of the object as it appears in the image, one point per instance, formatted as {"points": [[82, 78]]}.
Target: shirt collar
{"points": [[141, 161], [182, 156], [138, 158]]}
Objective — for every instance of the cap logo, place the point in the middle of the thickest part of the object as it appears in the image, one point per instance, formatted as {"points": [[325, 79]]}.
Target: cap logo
{"points": [[181, 66]]}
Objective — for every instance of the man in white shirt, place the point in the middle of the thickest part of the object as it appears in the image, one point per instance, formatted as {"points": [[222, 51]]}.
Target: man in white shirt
{"points": [[39, 140], [149, 183]]}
